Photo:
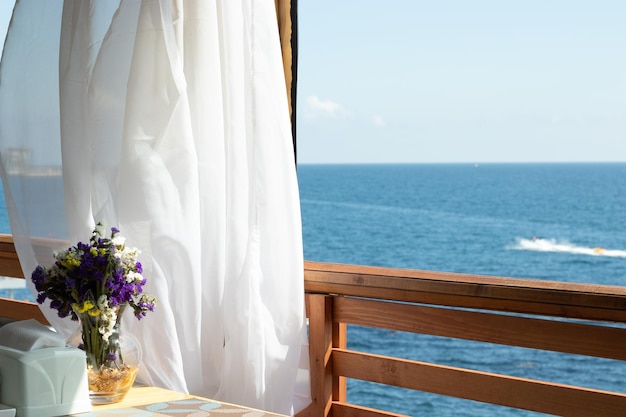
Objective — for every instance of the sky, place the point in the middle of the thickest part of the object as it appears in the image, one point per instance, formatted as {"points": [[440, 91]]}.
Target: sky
{"points": [[404, 81], [461, 81], [6, 7]]}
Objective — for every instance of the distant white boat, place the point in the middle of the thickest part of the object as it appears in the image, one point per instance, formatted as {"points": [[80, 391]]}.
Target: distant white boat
{"points": [[552, 245]]}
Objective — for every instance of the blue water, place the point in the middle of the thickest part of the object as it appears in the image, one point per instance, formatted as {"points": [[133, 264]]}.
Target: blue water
{"points": [[562, 222], [470, 219]]}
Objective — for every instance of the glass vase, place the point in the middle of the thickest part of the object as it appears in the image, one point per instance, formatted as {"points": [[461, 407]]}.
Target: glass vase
{"points": [[113, 356]]}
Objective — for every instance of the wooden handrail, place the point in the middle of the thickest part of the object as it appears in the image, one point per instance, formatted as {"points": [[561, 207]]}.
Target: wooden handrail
{"points": [[550, 298]]}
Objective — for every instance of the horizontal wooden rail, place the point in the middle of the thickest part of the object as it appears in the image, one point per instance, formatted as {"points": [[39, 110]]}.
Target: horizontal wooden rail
{"points": [[20, 310], [534, 333], [549, 298], [9, 262], [10, 267], [479, 386], [341, 409]]}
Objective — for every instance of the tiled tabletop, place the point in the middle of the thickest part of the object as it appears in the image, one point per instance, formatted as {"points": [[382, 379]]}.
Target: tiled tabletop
{"points": [[158, 402]]}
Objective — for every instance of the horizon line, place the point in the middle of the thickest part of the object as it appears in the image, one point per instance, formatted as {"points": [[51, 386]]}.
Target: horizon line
{"points": [[461, 163]]}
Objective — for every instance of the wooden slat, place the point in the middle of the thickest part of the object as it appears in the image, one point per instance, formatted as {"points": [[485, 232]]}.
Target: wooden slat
{"points": [[10, 266], [9, 262], [559, 336], [340, 340], [584, 301], [6, 243], [320, 349], [350, 410], [324, 334], [21, 310], [543, 397]]}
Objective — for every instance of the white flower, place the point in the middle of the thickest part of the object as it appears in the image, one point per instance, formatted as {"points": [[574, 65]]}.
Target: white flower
{"points": [[108, 318], [133, 276], [103, 302], [131, 253], [61, 255], [119, 241], [100, 229]]}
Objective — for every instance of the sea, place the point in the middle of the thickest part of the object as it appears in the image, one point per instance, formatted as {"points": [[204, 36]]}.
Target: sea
{"points": [[561, 222]]}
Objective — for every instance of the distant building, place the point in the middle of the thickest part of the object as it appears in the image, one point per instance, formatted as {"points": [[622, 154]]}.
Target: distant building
{"points": [[18, 161]]}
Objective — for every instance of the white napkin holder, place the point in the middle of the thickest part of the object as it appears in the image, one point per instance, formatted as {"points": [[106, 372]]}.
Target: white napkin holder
{"points": [[44, 382]]}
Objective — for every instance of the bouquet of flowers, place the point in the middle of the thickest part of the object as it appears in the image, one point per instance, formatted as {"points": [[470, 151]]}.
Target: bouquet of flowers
{"points": [[94, 277], [95, 282]]}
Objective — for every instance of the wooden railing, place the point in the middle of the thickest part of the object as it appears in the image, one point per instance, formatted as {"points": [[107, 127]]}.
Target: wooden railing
{"points": [[10, 267], [471, 307], [459, 306]]}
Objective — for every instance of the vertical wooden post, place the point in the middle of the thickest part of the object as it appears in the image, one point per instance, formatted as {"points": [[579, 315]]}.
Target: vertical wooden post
{"points": [[319, 308], [287, 16], [340, 340]]}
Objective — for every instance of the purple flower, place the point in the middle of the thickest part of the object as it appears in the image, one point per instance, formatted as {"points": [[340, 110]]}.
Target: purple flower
{"points": [[38, 276], [88, 271]]}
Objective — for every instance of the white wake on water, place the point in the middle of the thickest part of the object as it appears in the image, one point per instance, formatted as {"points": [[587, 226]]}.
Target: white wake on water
{"points": [[552, 245]]}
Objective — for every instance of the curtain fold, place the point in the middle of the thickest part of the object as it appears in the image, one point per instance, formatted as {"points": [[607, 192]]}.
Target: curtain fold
{"points": [[162, 118]]}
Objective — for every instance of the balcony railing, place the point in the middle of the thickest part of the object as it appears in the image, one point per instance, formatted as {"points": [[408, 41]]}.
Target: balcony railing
{"points": [[470, 307], [551, 316]]}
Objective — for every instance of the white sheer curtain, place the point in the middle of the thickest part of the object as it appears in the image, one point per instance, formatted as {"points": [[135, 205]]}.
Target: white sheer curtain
{"points": [[169, 120]]}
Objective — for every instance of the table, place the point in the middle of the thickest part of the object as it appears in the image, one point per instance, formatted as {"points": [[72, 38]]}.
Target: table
{"points": [[146, 401]]}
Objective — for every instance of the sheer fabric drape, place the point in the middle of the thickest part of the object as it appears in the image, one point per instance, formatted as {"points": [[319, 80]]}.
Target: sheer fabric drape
{"points": [[169, 120]]}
